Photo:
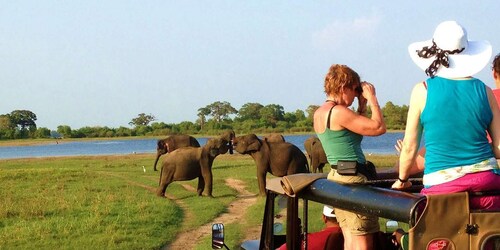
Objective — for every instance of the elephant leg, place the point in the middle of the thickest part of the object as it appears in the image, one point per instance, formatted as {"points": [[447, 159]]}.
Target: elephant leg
{"points": [[206, 178], [320, 167], [261, 177], [201, 185], [314, 165], [165, 179], [208, 185]]}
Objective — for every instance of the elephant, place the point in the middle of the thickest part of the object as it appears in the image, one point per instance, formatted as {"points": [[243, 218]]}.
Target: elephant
{"points": [[315, 153], [172, 143], [277, 158], [189, 163], [274, 137], [228, 136]]}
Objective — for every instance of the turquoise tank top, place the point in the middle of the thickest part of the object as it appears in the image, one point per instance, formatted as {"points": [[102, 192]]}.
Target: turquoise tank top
{"points": [[455, 123], [342, 145]]}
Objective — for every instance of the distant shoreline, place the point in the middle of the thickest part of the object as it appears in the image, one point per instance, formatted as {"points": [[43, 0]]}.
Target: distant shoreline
{"points": [[34, 142]]}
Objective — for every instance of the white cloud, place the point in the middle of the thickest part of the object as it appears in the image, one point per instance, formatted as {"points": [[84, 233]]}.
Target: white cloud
{"points": [[341, 32]]}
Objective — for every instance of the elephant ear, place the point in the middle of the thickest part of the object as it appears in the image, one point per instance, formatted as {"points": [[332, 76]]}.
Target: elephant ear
{"points": [[162, 147], [160, 144], [213, 152], [254, 145], [214, 146]]}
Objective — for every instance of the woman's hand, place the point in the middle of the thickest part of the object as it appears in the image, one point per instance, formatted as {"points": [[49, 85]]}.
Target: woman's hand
{"points": [[368, 90], [398, 146], [361, 104], [401, 185], [368, 93]]}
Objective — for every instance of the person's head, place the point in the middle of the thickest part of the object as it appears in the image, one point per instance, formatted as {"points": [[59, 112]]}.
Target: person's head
{"points": [[495, 67], [450, 54], [341, 79], [328, 214]]}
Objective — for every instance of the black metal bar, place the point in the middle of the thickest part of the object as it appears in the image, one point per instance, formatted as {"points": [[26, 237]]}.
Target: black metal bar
{"points": [[364, 199], [416, 186], [267, 239], [292, 224]]}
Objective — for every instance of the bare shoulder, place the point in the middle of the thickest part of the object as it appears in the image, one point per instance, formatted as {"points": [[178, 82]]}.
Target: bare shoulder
{"points": [[418, 97], [322, 111], [419, 90], [320, 117], [420, 86]]}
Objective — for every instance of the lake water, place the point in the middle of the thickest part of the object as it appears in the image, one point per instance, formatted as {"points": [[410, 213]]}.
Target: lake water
{"points": [[383, 144]]}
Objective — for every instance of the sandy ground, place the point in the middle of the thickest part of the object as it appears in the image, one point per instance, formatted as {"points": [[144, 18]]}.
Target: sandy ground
{"points": [[236, 212]]}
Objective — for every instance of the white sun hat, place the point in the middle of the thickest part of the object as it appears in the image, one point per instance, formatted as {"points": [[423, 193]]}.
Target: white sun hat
{"points": [[464, 57], [328, 211]]}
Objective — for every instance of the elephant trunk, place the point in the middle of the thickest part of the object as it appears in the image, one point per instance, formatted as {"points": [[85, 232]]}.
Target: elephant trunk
{"points": [[231, 146], [156, 161]]}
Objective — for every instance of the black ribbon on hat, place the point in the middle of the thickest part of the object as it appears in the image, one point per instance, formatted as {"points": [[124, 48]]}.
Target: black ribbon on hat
{"points": [[441, 57]]}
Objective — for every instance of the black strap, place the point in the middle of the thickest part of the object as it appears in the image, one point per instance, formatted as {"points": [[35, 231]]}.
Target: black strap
{"points": [[330, 113]]}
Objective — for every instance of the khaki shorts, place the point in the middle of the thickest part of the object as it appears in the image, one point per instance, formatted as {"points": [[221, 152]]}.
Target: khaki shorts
{"points": [[357, 224]]}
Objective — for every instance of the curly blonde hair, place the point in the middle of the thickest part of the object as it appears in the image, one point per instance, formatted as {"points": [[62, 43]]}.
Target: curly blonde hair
{"points": [[338, 77]]}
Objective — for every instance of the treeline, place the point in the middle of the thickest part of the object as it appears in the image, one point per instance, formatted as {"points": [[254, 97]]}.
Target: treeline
{"points": [[250, 118]]}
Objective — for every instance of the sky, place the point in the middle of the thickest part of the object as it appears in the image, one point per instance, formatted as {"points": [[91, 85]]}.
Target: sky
{"points": [[101, 63]]}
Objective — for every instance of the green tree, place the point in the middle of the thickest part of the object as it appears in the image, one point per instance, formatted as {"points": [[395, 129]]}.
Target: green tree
{"points": [[7, 128], [221, 110], [25, 121], [188, 127], [23, 118], [65, 131], [246, 126], [300, 115], [142, 120], [293, 117], [142, 130], [395, 116], [249, 111], [310, 111], [159, 126], [202, 116], [42, 133], [271, 114], [123, 131]]}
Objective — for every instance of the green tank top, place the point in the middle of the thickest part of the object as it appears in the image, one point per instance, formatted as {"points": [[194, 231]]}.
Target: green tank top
{"points": [[342, 145]]}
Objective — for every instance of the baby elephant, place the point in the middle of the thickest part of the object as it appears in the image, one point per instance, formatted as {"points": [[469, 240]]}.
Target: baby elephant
{"points": [[172, 143], [190, 162], [316, 154], [277, 158]]}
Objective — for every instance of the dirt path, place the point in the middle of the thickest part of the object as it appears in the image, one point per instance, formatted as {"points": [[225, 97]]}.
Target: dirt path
{"points": [[236, 212]]}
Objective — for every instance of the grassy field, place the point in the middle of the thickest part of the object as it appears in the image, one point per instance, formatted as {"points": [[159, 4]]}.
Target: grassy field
{"points": [[108, 202]]}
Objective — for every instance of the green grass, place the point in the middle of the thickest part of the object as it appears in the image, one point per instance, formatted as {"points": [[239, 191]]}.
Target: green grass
{"points": [[108, 202], [73, 202]]}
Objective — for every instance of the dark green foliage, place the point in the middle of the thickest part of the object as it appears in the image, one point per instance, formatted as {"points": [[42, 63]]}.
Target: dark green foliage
{"points": [[142, 120], [250, 118], [19, 124]]}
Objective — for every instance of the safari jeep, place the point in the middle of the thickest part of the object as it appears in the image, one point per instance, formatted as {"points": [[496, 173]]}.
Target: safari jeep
{"points": [[435, 222]]}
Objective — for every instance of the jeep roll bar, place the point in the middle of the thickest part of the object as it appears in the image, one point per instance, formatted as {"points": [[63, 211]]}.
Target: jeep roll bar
{"points": [[381, 202], [364, 199]]}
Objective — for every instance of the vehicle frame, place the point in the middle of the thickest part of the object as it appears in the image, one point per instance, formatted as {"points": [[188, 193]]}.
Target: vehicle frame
{"points": [[444, 218]]}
